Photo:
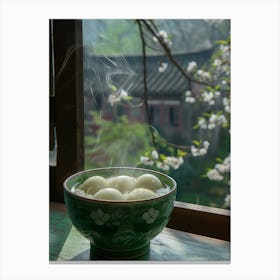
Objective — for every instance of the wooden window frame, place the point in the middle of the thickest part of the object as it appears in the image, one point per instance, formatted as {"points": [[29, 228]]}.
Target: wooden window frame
{"points": [[66, 102], [67, 117]]}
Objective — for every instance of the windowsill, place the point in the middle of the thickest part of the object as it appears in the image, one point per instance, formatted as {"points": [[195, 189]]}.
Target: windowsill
{"points": [[202, 220]]}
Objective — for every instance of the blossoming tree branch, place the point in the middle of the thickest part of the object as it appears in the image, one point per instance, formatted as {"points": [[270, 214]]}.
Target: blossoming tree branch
{"points": [[213, 98]]}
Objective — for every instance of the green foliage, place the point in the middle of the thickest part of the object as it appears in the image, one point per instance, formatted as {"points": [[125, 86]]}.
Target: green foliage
{"points": [[197, 143], [219, 159], [116, 143], [120, 37], [181, 153]]}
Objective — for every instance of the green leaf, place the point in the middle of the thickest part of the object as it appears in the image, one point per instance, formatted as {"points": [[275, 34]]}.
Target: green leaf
{"points": [[181, 153], [163, 157], [196, 142], [146, 154], [170, 150], [113, 88], [208, 115], [217, 87], [196, 126], [127, 98], [221, 42], [219, 159]]}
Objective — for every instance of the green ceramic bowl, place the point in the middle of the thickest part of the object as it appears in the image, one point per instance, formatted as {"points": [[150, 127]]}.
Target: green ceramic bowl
{"points": [[118, 229]]}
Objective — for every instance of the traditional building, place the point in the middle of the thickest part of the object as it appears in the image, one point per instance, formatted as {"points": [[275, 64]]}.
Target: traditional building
{"points": [[166, 90]]}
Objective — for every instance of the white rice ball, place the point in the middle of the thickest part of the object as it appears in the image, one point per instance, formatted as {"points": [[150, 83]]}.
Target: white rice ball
{"points": [[148, 181], [122, 183], [93, 184], [109, 194], [140, 194]]}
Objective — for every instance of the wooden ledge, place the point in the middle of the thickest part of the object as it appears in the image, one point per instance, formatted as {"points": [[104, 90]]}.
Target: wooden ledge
{"points": [[202, 220]]}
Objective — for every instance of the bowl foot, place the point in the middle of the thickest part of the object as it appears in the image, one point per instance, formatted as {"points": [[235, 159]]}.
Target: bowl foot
{"points": [[98, 253]]}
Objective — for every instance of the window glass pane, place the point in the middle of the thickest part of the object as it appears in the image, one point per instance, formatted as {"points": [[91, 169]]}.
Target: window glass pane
{"points": [[188, 102]]}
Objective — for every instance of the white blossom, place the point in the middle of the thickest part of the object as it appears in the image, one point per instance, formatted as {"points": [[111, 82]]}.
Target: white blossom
{"points": [[210, 96], [206, 144], [227, 201], [191, 66], [214, 175], [163, 67], [211, 126], [146, 161], [225, 69], [123, 94], [207, 96], [223, 168], [202, 151], [169, 43], [216, 120], [224, 48], [203, 74], [199, 72], [163, 166], [217, 62], [174, 162], [225, 101], [194, 151], [225, 52], [117, 97], [213, 118], [113, 99], [202, 123], [163, 35], [227, 159], [224, 82], [221, 119], [154, 154], [190, 99]]}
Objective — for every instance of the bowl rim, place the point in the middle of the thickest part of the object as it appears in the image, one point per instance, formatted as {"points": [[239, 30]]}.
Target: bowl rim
{"points": [[76, 195]]}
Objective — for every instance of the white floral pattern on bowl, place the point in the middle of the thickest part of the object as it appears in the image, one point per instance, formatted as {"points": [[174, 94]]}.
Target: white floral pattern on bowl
{"points": [[99, 217], [124, 236], [151, 215]]}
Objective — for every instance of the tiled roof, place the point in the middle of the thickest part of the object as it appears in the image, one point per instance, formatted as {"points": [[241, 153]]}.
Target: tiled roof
{"points": [[127, 73]]}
